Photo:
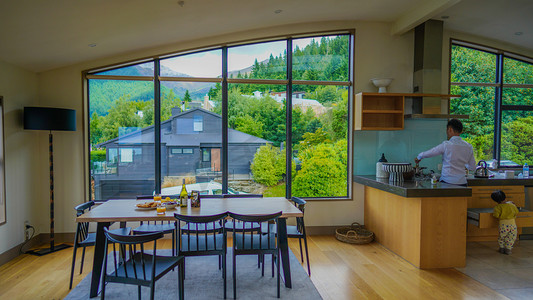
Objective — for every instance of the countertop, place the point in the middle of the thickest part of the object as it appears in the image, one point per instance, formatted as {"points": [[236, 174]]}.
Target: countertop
{"points": [[411, 188], [424, 188]]}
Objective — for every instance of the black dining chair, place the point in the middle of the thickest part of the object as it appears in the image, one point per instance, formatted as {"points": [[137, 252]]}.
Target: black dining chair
{"points": [[298, 231], [208, 226], [167, 227], [136, 266], [195, 240], [240, 226], [251, 243], [84, 238]]}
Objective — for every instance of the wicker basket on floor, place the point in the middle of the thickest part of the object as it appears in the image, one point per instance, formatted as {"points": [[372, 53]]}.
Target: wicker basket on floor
{"points": [[355, 234]]}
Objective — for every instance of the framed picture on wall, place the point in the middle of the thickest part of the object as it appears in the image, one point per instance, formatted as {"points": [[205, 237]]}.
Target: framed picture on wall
{"points": [[2, 166]]}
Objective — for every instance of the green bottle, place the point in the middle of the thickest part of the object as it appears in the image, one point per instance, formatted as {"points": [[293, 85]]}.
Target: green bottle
{"points": [[183, 195]]}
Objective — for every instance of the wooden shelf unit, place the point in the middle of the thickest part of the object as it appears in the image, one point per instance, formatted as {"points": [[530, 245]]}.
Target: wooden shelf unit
{"points": [[384, 111], [378, 111]]}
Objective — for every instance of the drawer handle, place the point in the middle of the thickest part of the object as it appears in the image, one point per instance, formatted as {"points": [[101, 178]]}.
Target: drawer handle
{"points": [[523, 216]]}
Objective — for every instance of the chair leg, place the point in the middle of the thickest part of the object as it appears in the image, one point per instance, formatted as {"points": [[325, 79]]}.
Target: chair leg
{"points": [[234, 276], [301, 253], [82, 259], [263, 265], [224, 274], [307, 255], [181, 284], [277, 265], [139, 292], [73, 265], [103, 285], [152, 289], [273, 258]]}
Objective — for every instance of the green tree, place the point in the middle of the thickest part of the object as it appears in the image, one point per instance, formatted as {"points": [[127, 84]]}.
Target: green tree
{"points": [[322, 174], [249, 125], [266, 165]]}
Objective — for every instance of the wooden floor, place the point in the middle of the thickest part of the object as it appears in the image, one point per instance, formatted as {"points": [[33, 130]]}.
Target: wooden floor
{"points": [[339, 271]]}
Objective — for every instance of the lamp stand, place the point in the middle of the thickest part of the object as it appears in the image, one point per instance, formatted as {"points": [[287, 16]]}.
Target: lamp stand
{"points": [[53, 247]]}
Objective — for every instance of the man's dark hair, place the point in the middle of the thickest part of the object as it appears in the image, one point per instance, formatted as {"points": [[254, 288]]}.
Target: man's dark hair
{"points": [[498, 196], [456, 125]]}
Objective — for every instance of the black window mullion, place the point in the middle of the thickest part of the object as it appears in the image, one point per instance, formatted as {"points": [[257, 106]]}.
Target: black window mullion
{"points": [[498, 108], [224, 157], [288, 123], [157, 126]]}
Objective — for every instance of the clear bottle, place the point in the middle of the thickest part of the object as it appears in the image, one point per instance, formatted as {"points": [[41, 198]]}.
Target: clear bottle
{"points": [[183, 195], [525, 170]]}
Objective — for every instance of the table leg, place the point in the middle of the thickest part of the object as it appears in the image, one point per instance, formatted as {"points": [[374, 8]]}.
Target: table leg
{"points": [[98, 260], [284, 249]]}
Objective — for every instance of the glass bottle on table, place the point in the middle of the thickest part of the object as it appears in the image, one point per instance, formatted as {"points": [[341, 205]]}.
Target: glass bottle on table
{"points": [[183, 195]]}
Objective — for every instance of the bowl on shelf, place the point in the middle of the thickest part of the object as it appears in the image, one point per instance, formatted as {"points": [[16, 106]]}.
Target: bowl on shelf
{"points": [[381, 84]]}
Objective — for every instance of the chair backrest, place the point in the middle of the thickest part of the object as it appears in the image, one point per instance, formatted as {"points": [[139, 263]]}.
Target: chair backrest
{"points": [[300, 203], [242, 196], [82, 229], [201, 234], [249, 240], [145, 197], [137, 262]]}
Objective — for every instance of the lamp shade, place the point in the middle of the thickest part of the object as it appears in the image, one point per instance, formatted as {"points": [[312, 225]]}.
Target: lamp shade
{"points": [[48, 118]]}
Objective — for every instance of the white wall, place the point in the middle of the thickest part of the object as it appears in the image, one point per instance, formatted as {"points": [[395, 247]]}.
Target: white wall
{"points": [[22, 157]]}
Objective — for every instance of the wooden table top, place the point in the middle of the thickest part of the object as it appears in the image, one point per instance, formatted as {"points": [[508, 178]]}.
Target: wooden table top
{"points": [[119, 210]]}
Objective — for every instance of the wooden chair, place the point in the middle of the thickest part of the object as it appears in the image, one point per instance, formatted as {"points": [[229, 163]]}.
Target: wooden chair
{"points": [[195, 240], [84, 238], [137, 267], [155, 226], [250, 243]]}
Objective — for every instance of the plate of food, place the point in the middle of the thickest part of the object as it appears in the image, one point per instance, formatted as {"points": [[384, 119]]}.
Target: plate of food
{"points": [[146, 206], [170, 204]]}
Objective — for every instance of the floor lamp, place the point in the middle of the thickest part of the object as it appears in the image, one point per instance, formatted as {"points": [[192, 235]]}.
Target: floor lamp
{"points": [[47, 118]]}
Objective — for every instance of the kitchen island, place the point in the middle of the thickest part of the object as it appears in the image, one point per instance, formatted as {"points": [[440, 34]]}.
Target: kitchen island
{"points": [[423, 223], [426, 224]]}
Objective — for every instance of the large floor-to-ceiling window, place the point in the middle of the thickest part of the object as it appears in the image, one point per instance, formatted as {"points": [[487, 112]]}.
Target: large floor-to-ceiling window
{"points": [[496, 89], [269, 118]]}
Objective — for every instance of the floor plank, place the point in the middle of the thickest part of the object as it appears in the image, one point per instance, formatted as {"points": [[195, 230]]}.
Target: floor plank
{"points": [[339, 271]]}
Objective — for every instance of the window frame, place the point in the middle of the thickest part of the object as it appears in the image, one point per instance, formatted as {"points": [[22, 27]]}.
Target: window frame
{"points": [[224, 81], [499, 85]]}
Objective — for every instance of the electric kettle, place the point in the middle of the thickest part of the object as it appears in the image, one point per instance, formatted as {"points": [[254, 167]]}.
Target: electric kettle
{"points": [[481, 170]]}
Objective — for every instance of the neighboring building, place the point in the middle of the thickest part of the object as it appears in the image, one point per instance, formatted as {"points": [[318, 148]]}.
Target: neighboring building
{"points": [[191, 143], [298, 100]]}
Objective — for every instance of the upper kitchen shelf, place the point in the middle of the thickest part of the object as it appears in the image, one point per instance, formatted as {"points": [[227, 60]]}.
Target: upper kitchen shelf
{"points": [[385, 111]]}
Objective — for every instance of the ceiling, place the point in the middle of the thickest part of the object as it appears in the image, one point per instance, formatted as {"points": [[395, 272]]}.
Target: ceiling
{"points": [[43, 35]]}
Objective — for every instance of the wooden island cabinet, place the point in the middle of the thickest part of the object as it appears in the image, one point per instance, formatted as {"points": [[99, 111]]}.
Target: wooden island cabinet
{"points": [[429, 225]]}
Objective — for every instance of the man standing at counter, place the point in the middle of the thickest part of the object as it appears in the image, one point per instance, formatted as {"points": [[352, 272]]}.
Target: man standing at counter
{"points": [[456, 155]]}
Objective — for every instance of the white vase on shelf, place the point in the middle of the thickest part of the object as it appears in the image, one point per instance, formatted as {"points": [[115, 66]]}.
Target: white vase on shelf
{"points": [[381, 84]]}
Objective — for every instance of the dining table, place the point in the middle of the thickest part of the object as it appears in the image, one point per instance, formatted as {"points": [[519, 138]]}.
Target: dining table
{"points": [[126, 210]]}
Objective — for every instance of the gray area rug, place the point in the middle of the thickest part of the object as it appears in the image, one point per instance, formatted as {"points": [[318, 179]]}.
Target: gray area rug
{"points": [[203, 280]]}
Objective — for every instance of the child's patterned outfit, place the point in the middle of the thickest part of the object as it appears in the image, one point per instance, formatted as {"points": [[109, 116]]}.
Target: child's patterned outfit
{"points": [[506, 212]]}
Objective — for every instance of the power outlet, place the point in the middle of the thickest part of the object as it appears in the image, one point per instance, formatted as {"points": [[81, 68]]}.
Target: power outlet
{"points": [[27, 230]]}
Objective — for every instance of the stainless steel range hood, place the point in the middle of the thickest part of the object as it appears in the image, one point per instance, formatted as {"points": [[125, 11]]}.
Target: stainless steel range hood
{"points": [[428, 73]]}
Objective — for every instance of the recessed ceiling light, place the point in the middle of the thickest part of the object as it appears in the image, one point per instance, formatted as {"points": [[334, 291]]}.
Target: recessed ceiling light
{"points": [[181, 3], [445, 17], [92, 45], [277, 11], [518, 33]]}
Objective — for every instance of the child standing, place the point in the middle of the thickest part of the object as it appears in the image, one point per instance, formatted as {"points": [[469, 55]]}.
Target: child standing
{"points": [[506, 212]]}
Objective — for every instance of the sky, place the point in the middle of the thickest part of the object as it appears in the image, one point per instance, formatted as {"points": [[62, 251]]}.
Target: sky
{"points": [[209, 63]]}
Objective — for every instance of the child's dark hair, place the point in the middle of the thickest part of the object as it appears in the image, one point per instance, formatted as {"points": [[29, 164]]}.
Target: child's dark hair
{"points": [[498, 196]]}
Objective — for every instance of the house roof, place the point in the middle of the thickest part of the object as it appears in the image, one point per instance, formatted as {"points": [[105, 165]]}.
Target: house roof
{"points": [[146, 135]]}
